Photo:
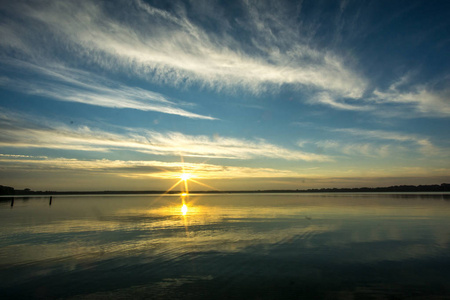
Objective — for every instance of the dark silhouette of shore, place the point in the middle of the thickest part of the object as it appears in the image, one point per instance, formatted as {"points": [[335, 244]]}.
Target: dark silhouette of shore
{"points": [[444, 187]]}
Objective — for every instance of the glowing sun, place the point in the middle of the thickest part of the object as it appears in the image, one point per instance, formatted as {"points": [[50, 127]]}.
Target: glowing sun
{"points": [[185, 176]]}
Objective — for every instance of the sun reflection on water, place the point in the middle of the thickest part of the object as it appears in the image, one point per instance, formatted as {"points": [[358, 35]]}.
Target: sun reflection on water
{"points": [[184, 209]]}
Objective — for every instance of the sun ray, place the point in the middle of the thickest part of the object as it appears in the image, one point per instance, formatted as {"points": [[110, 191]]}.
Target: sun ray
{"points": [[186, 189], [173, 186], [185, 177], [204, 184]]}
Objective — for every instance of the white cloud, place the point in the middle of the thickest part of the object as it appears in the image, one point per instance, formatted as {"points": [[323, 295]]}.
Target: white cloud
{"points": [[228, 147], [169, 47], [421, 98], [20, 156], [351, 149], [423, 143], [139, 169], [73, 85], [56, 136], [172, 170], [327, 99]]}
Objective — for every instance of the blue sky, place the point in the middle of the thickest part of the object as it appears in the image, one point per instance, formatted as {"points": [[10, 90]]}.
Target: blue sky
{"points": [[120, 95]]}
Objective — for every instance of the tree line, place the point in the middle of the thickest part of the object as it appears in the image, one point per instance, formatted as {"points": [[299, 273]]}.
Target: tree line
{"points": [[444, 187]]}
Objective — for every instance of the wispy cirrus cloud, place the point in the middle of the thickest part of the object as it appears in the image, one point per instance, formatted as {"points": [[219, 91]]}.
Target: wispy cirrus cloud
{"points": [[352, 148], [424, 101], [17, 133], [67, 84], [140, 169], [425, 145], [167, 46], [372, 143], [263, 48], [328, 99]]}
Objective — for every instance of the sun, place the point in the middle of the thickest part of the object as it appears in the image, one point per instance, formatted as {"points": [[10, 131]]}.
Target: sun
{"points": [[184, 180], [185, 176]]}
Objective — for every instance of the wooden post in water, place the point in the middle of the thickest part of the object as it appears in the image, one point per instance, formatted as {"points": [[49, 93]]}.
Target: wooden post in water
{"points": [[12, 202], [50, 203]]}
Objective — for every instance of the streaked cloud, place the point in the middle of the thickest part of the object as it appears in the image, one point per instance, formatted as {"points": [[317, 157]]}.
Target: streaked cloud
{"points": [[141, 169], [423, 143], [17, 133], [229, 147], [171, 48], [20, 156], [421, 98], [167, 46], [327, 99], [353, 148], [205, 171], [73, 85]]}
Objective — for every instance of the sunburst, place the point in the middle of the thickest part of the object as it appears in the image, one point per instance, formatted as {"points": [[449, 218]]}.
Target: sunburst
{"points": [[184, 179]]}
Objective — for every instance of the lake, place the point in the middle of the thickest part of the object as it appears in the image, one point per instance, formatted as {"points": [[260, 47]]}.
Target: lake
{"points": [[226, 246]]}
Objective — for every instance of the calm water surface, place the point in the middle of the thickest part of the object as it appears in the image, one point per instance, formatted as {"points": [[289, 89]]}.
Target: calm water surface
{"points": [[239, 246]]}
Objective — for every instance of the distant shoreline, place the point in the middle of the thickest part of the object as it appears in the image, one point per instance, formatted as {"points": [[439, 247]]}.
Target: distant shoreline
{"points": [[444, 187]]}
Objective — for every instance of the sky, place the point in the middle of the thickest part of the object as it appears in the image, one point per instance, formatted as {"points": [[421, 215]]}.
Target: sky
{"points": [[242, 95]]}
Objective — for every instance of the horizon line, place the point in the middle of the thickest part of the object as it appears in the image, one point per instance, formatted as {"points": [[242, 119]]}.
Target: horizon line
{"points": [[443, 187]]}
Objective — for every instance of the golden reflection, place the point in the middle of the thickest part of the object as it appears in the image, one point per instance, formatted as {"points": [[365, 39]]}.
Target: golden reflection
{"points": [[184, 209]]}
